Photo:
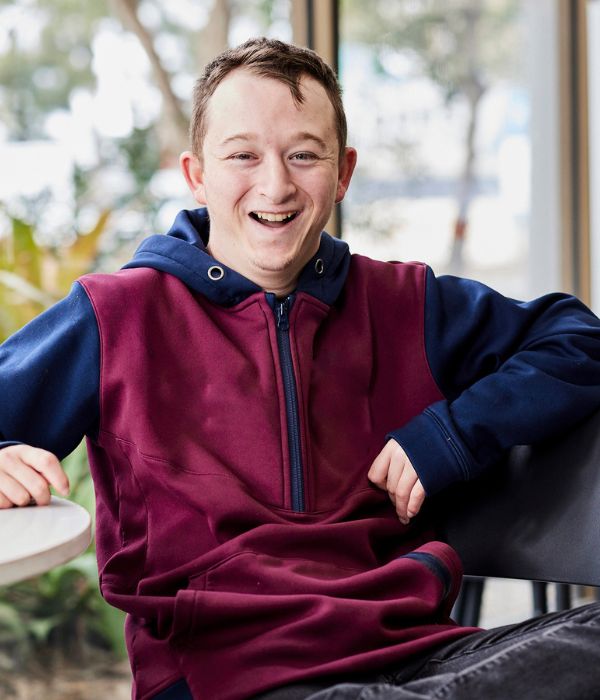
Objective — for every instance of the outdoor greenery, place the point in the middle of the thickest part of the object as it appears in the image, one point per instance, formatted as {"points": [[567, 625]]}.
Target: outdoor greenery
{"points": [[464, 47]]}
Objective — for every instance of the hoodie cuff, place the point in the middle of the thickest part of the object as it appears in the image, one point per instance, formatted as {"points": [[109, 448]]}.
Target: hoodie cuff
{"points": [[9, 443], [436, 452]]}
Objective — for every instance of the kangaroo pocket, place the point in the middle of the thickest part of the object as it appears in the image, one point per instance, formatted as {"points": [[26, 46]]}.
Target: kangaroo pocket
{"points": [[255, 589], [280, 618], [256, 573]]}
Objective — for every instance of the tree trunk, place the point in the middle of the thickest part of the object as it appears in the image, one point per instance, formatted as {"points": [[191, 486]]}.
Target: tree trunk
{"points": [[466, 187], [473, 89], [214, 37], [174, 134]]}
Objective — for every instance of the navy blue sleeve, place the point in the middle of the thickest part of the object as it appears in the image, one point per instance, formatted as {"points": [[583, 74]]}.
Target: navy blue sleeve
{"points": [[49, 378], [512, 373]]}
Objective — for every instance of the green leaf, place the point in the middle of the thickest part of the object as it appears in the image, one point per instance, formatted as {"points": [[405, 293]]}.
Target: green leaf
{"points": [[11, 623], [109, 624]]}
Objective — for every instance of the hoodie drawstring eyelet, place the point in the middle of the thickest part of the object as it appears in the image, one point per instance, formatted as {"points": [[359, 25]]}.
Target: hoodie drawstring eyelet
{"points": [[216, 273]]}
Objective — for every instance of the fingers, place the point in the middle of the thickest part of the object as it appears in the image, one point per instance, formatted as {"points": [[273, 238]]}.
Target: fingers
{"points": [[416, 500], [26, 474], [378, 472], [392, 470], [46, 464], [400, 490], [14, 491]]}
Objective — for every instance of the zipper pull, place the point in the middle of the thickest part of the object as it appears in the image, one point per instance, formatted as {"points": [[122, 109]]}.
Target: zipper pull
{"points": [[283, 322]]}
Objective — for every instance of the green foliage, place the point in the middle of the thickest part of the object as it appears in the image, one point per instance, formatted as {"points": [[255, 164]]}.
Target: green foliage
{"points": [[32, 276], [261, 10], [55, 60], [142, 154], [20, 295], [62, 611], [461, 45]]}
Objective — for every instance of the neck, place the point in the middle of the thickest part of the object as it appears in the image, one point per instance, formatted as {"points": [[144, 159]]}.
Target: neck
{"points": [[280, 291]]}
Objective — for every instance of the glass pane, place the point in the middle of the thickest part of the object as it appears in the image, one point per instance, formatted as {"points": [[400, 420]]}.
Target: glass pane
{"points": [[593, 21], [439, 107]]}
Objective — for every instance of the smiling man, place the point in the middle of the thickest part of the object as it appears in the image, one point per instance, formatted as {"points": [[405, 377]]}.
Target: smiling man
{"points": [[265, 414]]}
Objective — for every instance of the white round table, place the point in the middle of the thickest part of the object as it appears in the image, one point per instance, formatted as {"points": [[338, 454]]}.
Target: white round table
{"points": [[35, 539]]}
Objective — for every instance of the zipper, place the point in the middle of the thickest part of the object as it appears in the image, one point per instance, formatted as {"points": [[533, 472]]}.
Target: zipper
{"points": [[282, 308]]}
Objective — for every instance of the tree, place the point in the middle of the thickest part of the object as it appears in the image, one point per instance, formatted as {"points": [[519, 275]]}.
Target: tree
{"points": [[463, 47], [45, 59], [202, 46]]}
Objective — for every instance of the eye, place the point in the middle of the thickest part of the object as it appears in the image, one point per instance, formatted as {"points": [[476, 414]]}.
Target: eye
{"points": [[241, 156], [304, 156]]}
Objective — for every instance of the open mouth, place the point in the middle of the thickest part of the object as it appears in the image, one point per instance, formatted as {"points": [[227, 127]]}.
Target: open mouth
{"points": [[273, 220]]}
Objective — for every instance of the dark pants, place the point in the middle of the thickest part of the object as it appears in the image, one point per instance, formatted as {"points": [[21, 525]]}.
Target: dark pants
{"points": [[553, 657]]}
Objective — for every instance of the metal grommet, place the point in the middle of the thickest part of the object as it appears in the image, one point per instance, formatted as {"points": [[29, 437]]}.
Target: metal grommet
{"points": [[319, 266], [216, 273]]}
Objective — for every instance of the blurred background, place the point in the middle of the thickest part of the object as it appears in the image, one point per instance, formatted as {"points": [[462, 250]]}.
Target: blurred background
{"points": [[476, 123]]}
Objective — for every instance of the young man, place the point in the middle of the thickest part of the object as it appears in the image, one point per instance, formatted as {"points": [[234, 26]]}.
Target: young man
{"points": [[265, 413]]}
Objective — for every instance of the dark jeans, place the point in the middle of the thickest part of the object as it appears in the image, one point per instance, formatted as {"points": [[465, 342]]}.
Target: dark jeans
{"points": [[553, 657]]}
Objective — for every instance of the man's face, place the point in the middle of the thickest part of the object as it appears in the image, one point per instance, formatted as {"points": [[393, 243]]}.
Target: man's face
{"points": [[270, 173]]}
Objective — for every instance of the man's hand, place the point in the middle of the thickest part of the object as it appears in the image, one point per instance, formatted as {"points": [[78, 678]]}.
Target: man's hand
{"points": [[26, 474], [393, 472]]}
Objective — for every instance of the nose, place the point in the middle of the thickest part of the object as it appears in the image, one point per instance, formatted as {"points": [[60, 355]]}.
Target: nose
{"points": [[275, 180]]}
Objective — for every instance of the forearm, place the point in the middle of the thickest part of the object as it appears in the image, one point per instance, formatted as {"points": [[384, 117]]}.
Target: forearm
{"points": [[512, 373]]}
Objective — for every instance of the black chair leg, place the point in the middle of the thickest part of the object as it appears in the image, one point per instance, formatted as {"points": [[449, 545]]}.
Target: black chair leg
{"points": [[563, 596], [467, 608], [540, 598]]}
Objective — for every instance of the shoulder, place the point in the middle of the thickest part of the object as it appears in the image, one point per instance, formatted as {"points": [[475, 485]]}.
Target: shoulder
{"points": [[389, 277], [119, 295], [121, 280], [363, 262], [131, 284]]}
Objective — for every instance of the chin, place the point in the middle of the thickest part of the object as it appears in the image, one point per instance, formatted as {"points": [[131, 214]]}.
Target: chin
{"points": [[272, 263], [272, 259]]}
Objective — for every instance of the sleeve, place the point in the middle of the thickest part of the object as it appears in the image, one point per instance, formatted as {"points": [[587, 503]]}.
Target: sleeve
{"points": [[49, 378], [512, 373]]}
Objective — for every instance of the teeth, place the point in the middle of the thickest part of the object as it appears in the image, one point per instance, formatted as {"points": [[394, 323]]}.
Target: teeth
{"points": [[274, 217]]}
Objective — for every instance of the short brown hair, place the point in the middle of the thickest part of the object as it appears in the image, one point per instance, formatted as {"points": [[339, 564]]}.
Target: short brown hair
{"points": [[268, 58]]}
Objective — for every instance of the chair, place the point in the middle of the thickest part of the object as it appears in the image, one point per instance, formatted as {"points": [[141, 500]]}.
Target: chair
{"points": [[534, 516]]}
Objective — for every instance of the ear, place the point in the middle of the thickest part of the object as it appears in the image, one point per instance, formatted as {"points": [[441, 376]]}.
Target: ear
{"points": [[347, 164], [192, 170]]}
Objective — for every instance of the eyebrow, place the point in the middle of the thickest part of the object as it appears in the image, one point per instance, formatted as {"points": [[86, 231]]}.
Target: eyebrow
{"points": [[301, 136]]}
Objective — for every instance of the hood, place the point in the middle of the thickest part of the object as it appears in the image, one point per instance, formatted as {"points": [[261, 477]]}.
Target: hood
{"points": [[182, 252]]}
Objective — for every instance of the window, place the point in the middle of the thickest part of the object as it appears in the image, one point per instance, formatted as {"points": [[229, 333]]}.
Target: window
{"points": [[593, 43], [453, 108]]}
